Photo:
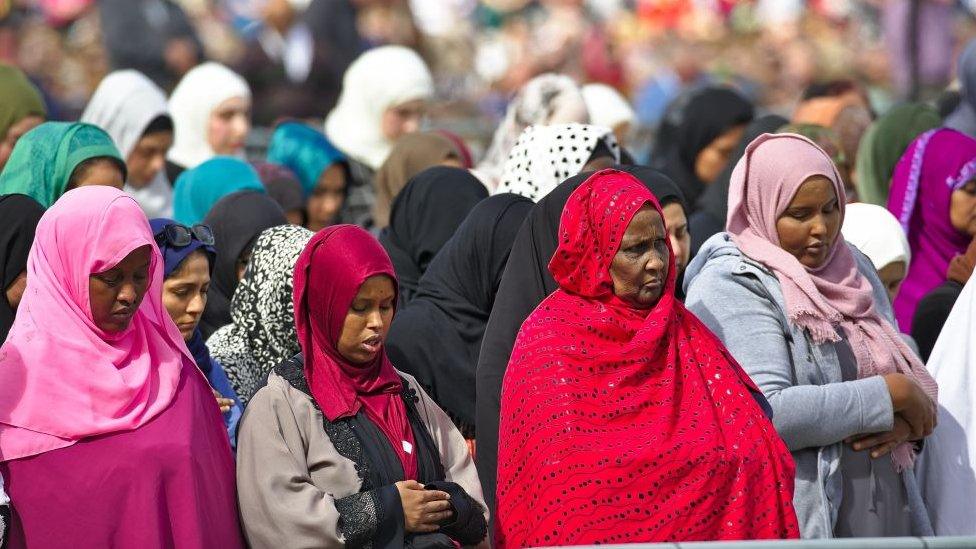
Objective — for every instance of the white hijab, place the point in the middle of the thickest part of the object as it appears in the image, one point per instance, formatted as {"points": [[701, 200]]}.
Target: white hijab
{"points": [[379, 79], [946, 469], [545, 156], [877, 233], [124, 104], [199, 92], [544, 100], [607, 107]]}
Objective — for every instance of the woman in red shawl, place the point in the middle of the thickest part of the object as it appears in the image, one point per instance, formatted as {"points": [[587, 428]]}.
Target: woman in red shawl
{"points": [[624, 419]]}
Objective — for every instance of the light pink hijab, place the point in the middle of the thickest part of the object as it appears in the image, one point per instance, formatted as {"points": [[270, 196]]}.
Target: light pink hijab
{"points": [[62, 379], [764, 183]]}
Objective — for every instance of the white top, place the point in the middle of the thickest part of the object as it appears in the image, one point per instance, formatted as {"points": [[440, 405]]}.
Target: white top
{"points": [[946, 469]]}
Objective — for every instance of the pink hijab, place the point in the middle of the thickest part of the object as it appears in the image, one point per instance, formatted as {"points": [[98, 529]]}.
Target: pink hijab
{"points": [[833, 295], [62, 379]]}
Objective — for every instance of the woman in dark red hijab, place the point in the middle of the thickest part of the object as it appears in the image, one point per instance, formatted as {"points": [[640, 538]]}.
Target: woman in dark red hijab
{"points": [[624, 419], [339, 448]]}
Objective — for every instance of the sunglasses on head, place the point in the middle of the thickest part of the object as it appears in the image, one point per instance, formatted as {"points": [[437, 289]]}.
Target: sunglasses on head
{"points": [[178, 235]]}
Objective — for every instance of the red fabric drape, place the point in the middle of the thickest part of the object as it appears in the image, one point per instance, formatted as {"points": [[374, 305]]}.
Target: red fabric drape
{"points": [[328, 274], [627, 425]]}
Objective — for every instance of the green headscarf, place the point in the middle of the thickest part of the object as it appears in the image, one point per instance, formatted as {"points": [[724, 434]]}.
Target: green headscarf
{"points": [[18, 98], [825, 138], [884, 143], [44, 158]]}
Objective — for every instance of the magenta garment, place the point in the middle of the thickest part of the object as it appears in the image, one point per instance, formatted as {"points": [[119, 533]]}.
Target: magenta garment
{"points": [[834, 294], [169, 483], [937, 163], [62, 378]]}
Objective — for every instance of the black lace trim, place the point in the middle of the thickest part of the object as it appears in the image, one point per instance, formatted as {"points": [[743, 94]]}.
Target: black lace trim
{"points": [[359, 517], [340, 432]]}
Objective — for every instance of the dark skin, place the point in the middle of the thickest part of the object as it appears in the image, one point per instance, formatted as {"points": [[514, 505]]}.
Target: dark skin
{"points": [[115, 294], [326, 201], [639, 269], [809, 226], [364, 330], [807, 230]]}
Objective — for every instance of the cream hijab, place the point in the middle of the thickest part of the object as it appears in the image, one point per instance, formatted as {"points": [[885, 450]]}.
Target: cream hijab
{"points": [[124, 104], [199, 92], [379, 79]]}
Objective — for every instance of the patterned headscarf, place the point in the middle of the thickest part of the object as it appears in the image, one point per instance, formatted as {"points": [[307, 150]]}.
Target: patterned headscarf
{"points": [[545, 156], [262, 333], [605, 403]]}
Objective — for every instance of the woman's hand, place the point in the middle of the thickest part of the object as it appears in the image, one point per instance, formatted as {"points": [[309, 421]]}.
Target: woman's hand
{"points": [[881, 444], [914, 406], [423, 510], [225, 403]]}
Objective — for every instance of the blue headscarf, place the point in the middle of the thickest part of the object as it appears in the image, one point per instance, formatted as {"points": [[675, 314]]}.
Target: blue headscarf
{"points": [[173, 256], [305, 150], [198, 189]]}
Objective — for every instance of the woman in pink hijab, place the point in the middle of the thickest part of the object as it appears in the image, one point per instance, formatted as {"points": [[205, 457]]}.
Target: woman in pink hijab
{"points": [[807, 317], [109, 435]]}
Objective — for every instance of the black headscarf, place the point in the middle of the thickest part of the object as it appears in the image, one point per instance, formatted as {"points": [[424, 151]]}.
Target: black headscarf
{"points": [[691, 122], [236, 221], [437, 336], [713, 204], [20, 215], [525, 282], [424, 216]]}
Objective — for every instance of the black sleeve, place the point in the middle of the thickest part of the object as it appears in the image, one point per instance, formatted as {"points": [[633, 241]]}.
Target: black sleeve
{"points": [[373, 518], [467, 525], [930, 317]]}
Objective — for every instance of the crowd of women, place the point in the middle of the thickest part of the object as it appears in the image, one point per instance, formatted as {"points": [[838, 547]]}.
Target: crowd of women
{"points": [[365, 338]]}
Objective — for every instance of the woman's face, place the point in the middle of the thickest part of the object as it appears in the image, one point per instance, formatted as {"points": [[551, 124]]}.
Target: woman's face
{"points": [[326, 200], [892, 275], [677, 225], [229, 125], [809, 226], [148, 157], [115, 294], [368, 320], [185, 292], [962, 209], [14, 132], [100, 171], [639, 269], [712, 159], [402, 119]]}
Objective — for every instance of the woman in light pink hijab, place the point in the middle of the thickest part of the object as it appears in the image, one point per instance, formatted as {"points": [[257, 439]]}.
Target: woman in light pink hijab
{"points": [[109, 435], [807, 317]]}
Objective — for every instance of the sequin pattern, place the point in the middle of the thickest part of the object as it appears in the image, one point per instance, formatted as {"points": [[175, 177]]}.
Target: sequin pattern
{"points": [[622, 425]]}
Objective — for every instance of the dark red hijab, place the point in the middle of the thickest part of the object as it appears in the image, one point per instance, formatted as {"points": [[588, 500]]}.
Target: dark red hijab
{"points": [[626, 425], [328, 274]]}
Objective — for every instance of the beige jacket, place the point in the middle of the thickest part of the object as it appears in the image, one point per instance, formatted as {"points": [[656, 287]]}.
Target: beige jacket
{"points": [[290, 474]]}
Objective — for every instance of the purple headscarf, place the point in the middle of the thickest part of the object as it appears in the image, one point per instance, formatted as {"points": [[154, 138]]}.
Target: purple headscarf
{"points": [[937, 163]]}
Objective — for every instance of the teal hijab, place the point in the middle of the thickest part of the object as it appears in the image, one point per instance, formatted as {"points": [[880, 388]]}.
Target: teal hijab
{"points": [[198, 189], [303, 149], [44, 159]]}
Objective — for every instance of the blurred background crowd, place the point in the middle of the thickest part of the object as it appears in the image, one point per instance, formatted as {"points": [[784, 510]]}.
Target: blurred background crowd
{"points": [[293, 53]]}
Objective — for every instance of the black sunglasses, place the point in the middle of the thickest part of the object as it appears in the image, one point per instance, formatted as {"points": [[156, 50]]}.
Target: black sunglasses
{"points": [[178, 235]]}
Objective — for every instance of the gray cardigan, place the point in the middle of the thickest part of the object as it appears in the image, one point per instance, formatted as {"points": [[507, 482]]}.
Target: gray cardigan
{"points": [[814, 410]]}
